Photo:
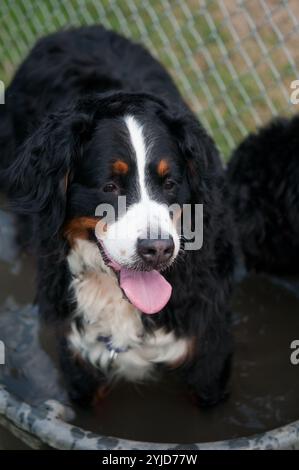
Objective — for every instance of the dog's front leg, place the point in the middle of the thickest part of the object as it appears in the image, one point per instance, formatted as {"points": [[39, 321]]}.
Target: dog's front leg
{"points": [[208, 371], [86, 384]]}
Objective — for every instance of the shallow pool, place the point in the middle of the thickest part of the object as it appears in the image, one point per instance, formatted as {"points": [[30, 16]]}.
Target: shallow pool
{"points": [[264, 385]]}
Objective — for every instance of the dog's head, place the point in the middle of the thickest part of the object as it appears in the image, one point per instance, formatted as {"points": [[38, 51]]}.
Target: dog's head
{"points": [[116, 170]]}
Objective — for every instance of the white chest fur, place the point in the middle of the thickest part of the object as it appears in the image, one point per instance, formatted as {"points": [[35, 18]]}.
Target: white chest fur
{"points": [[104, 312]]}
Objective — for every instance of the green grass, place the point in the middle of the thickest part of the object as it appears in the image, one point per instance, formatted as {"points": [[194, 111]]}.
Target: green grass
{"points": [[223, 91]]}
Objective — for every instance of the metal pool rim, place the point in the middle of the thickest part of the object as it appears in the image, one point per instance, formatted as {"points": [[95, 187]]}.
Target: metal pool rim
{"points": [[45, 423]]}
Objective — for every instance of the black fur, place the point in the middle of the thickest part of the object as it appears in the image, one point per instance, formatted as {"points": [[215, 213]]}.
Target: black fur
{"points": [[70, 83], [264, 180]]}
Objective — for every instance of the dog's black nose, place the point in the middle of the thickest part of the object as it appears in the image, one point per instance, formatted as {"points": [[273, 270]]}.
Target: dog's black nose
{"points": [[155, 252]]}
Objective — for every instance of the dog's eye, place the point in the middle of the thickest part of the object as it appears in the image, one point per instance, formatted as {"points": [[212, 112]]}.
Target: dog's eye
{"points": [[168, 184], [110, 188]]}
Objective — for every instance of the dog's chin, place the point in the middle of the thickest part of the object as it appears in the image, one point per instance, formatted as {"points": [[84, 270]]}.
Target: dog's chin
{"points": [[141, 266]]}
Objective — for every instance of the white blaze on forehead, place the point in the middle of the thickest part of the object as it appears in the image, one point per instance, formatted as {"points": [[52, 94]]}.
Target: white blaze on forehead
{"points": [[138, 143]]}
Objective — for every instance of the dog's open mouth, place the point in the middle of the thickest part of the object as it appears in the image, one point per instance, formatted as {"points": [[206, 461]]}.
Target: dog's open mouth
{"points": [[146, 290]]}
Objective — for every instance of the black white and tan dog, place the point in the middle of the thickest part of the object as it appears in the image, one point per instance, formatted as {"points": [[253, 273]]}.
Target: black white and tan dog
{"points": [[264, 181], [89, 117]]}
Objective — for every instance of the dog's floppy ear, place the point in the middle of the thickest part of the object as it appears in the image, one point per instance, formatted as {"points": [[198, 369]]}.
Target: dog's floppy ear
{"points": [[37, 180], [199, 152]]}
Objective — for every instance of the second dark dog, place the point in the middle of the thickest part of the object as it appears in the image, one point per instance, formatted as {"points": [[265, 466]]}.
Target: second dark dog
{"points": [[264, 179]]}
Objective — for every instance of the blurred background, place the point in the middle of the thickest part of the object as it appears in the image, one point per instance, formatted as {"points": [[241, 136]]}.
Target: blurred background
{"points": [[233, 60]]}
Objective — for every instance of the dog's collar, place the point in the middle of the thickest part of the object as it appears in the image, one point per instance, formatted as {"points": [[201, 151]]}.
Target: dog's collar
{"points": [[107, 340], [113, 351]]}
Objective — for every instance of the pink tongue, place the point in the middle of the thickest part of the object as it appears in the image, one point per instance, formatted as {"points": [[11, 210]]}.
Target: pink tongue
{"points": [[147, 290]]}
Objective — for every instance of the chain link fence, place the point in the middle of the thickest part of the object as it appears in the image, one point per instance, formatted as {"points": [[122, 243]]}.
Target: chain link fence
{"points": [[233, 60]]}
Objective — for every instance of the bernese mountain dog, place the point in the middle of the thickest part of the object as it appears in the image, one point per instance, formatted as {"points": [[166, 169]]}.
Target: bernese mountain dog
{"points": [[92, 118], [263, 177]]}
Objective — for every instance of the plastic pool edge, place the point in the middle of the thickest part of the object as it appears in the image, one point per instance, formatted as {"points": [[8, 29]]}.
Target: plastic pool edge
{"points": [[46, 423]]}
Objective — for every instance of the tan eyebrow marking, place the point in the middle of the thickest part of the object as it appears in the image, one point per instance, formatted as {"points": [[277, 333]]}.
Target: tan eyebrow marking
{"points": [[163, 167], [120, 167]]}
